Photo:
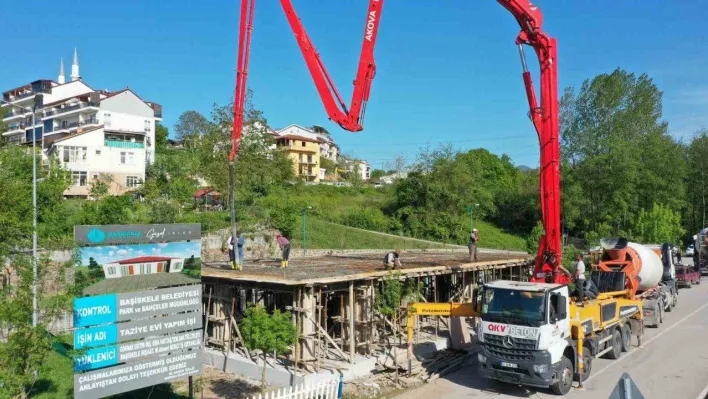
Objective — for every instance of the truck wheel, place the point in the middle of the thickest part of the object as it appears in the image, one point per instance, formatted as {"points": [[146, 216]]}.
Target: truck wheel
{"points": [[626, 338], [616, 343], [565, 379]]}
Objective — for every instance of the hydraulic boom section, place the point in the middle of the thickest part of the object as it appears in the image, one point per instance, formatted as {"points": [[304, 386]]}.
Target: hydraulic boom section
{"points": [[544, 116]]}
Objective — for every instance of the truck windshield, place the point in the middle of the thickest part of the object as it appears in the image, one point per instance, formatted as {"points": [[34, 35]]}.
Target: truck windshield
{"points": [[524, 306]]}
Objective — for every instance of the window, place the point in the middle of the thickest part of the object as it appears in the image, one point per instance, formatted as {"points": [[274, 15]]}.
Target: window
{"points": [[74, 154], [300, 157], [132, 181], [304, 144], [148, 126], [124, 271], [107, 119], [111, 270], [127, 158], [309, 158], [98, 152], [80, 179], [143, 268]]}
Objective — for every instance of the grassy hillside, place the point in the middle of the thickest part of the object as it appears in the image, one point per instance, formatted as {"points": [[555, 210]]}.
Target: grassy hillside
{"points": [[326, 235]]}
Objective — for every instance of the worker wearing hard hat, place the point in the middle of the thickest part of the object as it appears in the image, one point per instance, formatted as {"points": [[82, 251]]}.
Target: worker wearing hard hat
{"points": [[472, 245]]}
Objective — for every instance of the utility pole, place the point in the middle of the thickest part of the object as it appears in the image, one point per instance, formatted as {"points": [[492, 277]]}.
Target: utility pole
{"points": [[35, 309], [304, 230]]}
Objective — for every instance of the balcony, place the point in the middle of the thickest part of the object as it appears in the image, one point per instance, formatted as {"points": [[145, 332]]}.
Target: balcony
{"points": [[66, 127], [307, 162], [123, 144], [11, 113], [68, 109], [13, 129]]}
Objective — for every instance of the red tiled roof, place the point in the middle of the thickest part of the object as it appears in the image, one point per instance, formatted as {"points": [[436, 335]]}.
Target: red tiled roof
{"points": [[144, 259]]}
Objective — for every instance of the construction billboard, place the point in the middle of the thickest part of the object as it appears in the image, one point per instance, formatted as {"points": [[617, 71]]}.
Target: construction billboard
{"points": [[138, 321]]}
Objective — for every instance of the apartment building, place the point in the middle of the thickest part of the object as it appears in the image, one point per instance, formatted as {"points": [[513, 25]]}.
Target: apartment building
{"points": [[328, 148], [304, 153], [359, 167], [93, 133]]}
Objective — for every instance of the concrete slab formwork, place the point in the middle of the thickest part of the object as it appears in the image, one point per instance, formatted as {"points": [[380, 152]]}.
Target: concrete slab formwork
{"points": [[332, 299]]}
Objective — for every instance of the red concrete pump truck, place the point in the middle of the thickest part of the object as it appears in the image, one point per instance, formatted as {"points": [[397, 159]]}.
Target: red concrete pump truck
{"points": [[531, 333], [544, 117]]}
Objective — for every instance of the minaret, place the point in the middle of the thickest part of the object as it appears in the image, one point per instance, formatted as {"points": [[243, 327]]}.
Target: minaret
{"points": [[75, 67], [62, 78]]}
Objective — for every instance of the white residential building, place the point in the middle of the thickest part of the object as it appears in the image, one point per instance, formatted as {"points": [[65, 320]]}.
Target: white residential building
{"points": [[360, 167], [93, 133]]}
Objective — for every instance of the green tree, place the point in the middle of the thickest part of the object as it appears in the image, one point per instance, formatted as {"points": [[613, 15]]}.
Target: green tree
{"points": [[190, 127], [23, 347], [267, 333], [617, 155], [378, 173], [389, 299], [95, 270], [658, 225], [161, 136], [108, 210], [259, 169], [328, 165], [100, 186], [534, 238], [697, 182], [432, 200]]}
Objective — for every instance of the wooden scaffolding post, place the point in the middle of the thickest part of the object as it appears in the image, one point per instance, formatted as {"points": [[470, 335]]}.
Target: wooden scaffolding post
{"points": [[352, 334], [207, 313], [372, 327], [298, 314], [317, 303]]}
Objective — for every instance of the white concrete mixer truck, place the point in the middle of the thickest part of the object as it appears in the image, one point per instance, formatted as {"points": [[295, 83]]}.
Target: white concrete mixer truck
{"points": [[646, 272]]}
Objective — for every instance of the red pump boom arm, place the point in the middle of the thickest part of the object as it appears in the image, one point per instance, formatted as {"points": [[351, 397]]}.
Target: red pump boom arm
{"points": [[543, 116]]}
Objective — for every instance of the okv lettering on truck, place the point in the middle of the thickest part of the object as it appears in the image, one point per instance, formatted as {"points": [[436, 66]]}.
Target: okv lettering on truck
{"points": [[111, 308], [152, 347]]}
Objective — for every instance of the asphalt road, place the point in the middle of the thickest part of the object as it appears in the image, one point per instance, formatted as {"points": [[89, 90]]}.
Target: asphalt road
{"points": [[672, 364]]}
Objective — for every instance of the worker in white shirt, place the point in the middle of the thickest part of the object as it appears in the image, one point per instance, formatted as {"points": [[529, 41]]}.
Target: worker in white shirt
{"points": [[392, 260], [579, 277]]}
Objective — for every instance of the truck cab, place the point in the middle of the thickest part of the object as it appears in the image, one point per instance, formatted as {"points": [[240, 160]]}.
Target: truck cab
{"points": [[525, 334]]}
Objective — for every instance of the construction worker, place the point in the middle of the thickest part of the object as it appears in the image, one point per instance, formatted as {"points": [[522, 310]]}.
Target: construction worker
{"points": [[392, 260], [232, 252], [579, 277], [472, 245], [284, 245], [240, 240]]}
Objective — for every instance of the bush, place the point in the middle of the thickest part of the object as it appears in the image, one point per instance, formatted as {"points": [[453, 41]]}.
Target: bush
{"points": [[366, 218]]}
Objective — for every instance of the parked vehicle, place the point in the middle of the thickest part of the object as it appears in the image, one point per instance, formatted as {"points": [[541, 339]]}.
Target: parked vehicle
{"points": [[686, 276], [690, 250], [700, 252]]}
